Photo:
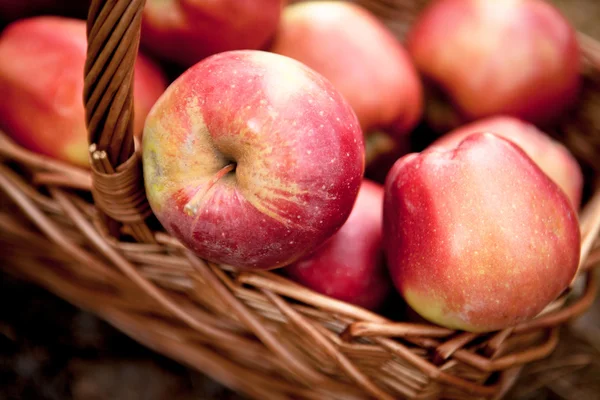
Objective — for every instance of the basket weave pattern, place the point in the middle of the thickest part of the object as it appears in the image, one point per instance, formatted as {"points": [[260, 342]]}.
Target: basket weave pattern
{"points": [[90, 237]]}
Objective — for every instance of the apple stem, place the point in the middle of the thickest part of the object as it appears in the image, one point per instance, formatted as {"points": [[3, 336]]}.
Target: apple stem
{"points": [[191, 208]]}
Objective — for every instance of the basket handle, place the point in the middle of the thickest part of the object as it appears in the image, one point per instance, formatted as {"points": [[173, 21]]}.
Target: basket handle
{"points": [[113, 34]]}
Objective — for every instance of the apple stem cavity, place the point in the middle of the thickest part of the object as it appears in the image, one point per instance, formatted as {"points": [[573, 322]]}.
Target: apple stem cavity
{"points": [[191, 208]]}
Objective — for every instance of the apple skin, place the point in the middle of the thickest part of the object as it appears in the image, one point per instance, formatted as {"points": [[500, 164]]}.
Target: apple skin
{"points": [[41, 80], [350, 266], [549, 154], [187, 31], [478, 238], [517, 57], [296, 145], [361, 57]]}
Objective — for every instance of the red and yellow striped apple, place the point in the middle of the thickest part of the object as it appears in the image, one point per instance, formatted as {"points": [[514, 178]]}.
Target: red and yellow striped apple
{"points": [[515, 57], [187, 31], [252, 159], [550, 155], [41, 80], [477, 237], [354, 50], [350, 266]]}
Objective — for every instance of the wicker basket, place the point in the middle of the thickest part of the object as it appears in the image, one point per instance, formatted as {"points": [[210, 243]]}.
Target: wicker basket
{"points": [[90, 238]]}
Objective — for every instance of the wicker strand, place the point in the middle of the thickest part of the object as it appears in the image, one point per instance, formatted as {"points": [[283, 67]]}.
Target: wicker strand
{"points": [[493, 346], [393, 329], [432, 371], [314, 334], [279, 285], [296, 364], [445, 350]]}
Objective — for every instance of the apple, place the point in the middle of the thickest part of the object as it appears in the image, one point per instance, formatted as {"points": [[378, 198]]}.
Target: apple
{"points": [[41, 80], [350, 266], [187, 31], [252, 159], [550, 155], [477, 237], [514, 57], [361, 57]]}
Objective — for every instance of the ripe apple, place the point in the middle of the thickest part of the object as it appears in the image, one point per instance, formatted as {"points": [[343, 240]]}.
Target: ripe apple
{"points": [[478, 238], [41, 80], [550, 155], [252, 159], [361, 57], [187, 31], [350, 266], [517, 57]]}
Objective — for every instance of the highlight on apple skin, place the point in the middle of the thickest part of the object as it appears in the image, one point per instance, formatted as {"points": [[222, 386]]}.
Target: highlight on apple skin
{"points": [[350, 266], [517, 57], [41, 80], [549, 154], [186, 31], [478, 238], [361, 57], [252, 159]]}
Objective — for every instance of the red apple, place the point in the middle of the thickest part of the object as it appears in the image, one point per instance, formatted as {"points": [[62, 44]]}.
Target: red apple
{"points": [[350, 266], [187, 31], [252, 159], [515, 57], [550, 155], [360, 56], [478, 238], [41, 80]]}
